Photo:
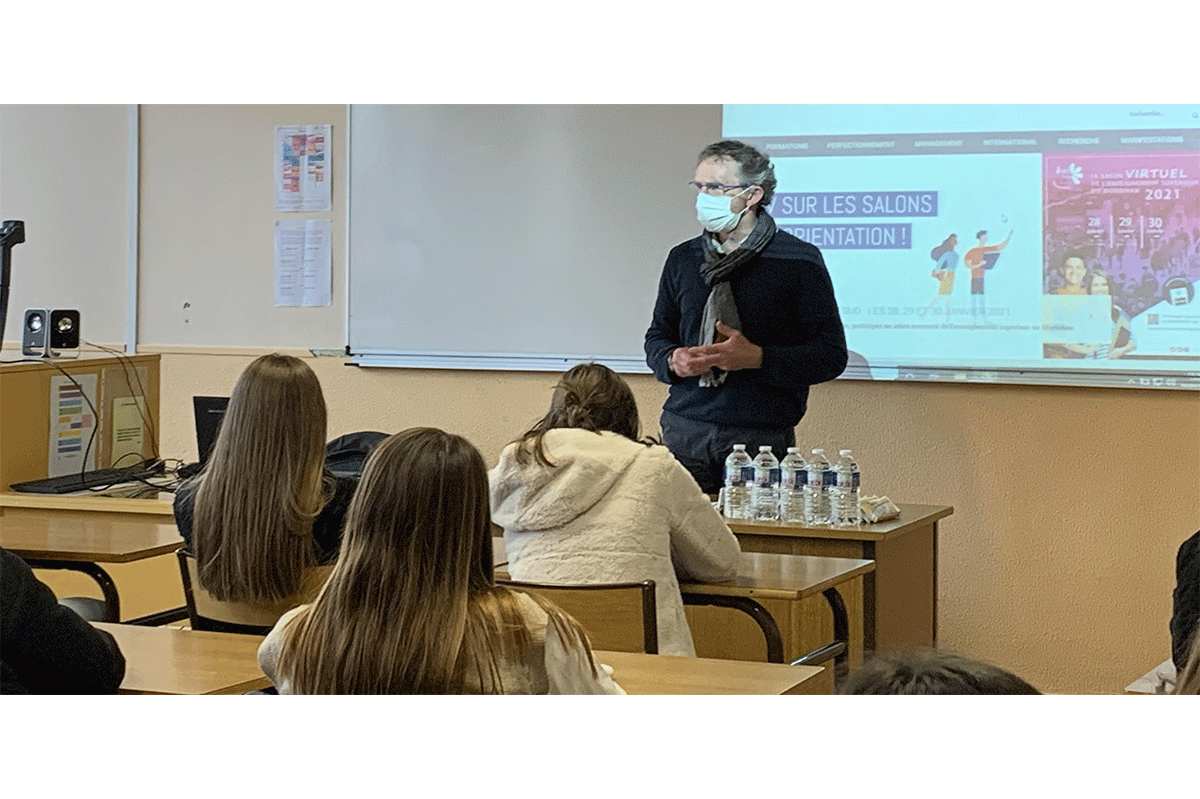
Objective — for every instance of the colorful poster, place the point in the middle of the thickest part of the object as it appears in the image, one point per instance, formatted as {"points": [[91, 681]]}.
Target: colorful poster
{"points": [[1124, 227], [302, 168], [72, 424]]}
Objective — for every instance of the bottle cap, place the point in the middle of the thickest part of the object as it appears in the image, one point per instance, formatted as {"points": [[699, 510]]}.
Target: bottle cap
{"points": [[739, 446], [793, 450], [764, 449], [843, 452], [818, 451]]}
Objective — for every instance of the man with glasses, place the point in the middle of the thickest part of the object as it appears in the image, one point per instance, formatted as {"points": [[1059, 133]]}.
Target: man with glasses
{"points": [[744, 323]]}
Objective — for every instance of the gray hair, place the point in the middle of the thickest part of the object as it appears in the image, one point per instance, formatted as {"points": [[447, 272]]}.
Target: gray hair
{"points": [[755, 168]]}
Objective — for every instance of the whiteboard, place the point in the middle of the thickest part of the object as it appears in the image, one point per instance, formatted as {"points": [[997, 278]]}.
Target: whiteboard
{"points": [[515, 237]]}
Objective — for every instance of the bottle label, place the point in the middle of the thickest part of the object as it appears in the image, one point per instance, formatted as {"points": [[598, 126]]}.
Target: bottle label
{"points": [[854, 480], [739, 475], [829, 478], [792, 478], [775, 476], [847, 480]]}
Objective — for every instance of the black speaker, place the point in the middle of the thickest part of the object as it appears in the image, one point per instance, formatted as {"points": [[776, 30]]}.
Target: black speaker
{"points": [[64, 333], [33, 332]]}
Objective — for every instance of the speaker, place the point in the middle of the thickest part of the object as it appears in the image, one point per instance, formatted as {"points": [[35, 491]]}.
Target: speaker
{"points": [[33, 332], [64, 333], [50, 334]]}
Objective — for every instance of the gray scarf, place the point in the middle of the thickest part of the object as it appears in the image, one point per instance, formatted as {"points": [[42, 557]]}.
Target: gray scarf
{"points": [[715, 270]]}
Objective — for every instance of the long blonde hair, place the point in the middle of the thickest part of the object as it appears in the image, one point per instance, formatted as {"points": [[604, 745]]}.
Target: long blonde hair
{"points": [[411, 605], [263, 485]]}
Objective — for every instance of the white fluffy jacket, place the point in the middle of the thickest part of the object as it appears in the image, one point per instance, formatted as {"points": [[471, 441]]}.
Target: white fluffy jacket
{"points": [[611, 510]]}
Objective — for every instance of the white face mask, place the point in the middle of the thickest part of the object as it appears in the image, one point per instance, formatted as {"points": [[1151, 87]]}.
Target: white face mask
{"points": [[713, 211]]}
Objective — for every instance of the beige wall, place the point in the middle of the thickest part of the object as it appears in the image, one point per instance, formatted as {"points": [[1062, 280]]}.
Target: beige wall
{"points": [[1058, 562]]}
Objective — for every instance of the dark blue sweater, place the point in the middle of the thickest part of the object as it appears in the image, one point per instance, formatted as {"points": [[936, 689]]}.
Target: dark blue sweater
{"points": [[786, 303]]}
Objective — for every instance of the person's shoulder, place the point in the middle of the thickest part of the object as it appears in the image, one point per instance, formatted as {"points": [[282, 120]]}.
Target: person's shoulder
{"points": [[686, 249], [785, 246], [657, 459], [184, 502]]}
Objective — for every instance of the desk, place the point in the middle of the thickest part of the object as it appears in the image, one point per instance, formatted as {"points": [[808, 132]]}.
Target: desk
{"points": [[638, 674], [25, 397], [778, 584], [900, 595], [79, 542], [167, 660], [14, 502]]}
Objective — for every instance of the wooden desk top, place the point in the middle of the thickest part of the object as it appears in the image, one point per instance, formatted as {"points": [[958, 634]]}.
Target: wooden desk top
{"points": [[90, 504], [911, 517], [665, 674], [790, 577], [760, 575], [95, 539], [168, 660]]}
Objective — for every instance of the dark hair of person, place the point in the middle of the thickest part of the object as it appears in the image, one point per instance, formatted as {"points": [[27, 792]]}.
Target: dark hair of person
{"points": [[754, 167], [943, 248], [589, 396], [929, 672], [1188, 679], [980, 234]]}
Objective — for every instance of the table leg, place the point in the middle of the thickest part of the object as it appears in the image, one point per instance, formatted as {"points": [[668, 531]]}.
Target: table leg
{"points": [[764, 619], [112, 602]]}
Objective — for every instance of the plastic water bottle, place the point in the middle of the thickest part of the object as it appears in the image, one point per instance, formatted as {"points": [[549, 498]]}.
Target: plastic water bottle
{"points": [[793, 476], [816, 497], [766, 485], [844, 497], [739, 477]]}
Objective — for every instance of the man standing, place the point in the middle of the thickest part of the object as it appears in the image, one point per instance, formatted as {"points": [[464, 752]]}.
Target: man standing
{"points": [[979, 259], [744, 323]]}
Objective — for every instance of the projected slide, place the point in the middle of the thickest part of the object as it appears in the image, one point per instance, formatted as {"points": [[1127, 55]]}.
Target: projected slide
{"points": [[999, 242]]}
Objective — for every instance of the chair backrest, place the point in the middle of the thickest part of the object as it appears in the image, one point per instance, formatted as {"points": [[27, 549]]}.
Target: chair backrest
{"points": [[206, 612], [620, 617]]}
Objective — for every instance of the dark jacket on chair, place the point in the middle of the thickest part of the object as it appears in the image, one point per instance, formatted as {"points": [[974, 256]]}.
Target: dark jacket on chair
{"points": [[1186, 613]]}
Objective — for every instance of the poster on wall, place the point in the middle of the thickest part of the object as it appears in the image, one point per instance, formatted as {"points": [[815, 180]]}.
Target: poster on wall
{"points": [[302, 181], [303, 262], [71, 425]]}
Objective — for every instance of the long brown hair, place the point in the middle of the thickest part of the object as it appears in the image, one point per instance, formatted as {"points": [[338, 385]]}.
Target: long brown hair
{"points": [[411, 605], [263, 485], [589, 396], [1188, 679]]}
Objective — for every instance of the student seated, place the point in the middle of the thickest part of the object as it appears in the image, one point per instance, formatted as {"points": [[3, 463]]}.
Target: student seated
{"points": [[46, 648], [932, 672], [264, 510], [583, 500], [1185, 615], [412, 607]]}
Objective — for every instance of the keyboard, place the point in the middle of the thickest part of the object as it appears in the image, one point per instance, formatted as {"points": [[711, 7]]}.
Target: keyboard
{"points": [[101, 478]]}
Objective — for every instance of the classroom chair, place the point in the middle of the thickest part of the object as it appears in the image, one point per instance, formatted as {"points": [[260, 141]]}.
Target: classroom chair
{"points": [[206, 612], [619, 617]]}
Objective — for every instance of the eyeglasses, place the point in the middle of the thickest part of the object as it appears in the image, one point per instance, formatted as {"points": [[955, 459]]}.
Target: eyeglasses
{"points": [[716, 186]]}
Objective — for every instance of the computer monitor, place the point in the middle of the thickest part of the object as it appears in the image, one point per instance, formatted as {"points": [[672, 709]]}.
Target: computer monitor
{"points": [[208, 411]]}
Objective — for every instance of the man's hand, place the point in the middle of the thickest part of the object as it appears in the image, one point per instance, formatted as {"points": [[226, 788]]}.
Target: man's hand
{"points": [[735, 352], [685, 363]]}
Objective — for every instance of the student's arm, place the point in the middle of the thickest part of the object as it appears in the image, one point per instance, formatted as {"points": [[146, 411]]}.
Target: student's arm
{"points": [[702, 546], [272, 645], [571, 669], [49, 647]]}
